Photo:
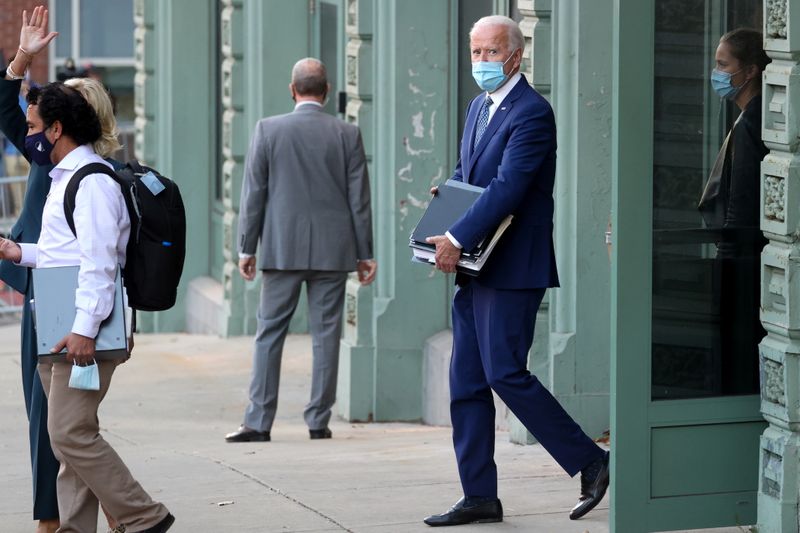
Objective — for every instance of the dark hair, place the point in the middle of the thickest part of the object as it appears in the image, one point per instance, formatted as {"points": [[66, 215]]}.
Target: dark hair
{"points": [[58, 102], [747, 45]]}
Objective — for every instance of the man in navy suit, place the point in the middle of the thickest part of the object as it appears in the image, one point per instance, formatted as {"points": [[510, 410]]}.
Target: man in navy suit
{"points": [[509, 148]]}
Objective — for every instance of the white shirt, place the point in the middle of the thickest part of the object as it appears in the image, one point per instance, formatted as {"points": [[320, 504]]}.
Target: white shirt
{"points": [[497, 98], [102, 224], [307, 102]]}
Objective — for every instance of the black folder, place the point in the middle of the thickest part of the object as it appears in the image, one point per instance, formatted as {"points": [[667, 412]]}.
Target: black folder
{"points": [[454, 198]]}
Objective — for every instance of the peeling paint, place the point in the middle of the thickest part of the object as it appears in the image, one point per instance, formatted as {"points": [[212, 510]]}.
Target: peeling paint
{"points": [[416, 202], [437, 178], [416, 122], [403, 173], [412, 73], [432, 129], [416, 90], [403, 210], [415, 152]]}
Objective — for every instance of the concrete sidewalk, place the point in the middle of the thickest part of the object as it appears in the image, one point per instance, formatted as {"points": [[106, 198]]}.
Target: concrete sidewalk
{"points": [[171, 404]]}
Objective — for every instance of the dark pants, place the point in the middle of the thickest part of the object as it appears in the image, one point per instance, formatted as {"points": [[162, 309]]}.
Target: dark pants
{"points": [[43, 462], [492, 333]]}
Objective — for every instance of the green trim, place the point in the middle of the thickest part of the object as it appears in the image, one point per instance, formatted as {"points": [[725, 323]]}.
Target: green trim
{"points": [[631, 277]]}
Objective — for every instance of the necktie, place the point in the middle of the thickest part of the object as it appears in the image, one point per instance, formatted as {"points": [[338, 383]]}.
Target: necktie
{"points": [[483, 120]]}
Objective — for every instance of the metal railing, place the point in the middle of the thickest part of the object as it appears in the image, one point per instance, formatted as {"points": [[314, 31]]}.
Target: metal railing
{"points": [[12, 194]]}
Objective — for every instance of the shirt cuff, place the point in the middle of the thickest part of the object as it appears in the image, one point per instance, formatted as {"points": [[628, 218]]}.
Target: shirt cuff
{"points": [[85, 324], [29, 251], [245, 256], [453, 240]]}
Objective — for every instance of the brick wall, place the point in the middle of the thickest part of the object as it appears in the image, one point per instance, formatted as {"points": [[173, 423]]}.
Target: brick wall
{"points": [[10, 22]]}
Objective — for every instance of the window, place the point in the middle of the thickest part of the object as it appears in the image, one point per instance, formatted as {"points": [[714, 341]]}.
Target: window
{"points": [[705, 334], [97, 35]]}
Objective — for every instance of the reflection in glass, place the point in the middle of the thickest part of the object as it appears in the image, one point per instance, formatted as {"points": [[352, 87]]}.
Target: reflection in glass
{"points": [[699, 347]]}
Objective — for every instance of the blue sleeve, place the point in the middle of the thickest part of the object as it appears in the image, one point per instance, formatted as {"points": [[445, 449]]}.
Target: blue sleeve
{"points": [[530, 143]]}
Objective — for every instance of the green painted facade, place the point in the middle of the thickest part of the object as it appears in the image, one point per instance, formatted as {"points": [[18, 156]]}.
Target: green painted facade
{"points": [[403, 65]]}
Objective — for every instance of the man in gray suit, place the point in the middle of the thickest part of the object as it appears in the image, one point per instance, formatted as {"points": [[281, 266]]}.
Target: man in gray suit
{"points": [[306, 197]]}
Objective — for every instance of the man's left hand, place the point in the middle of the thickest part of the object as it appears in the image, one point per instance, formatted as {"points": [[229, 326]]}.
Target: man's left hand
{"points": [[366, 268], [80, 349], [447, 255]]}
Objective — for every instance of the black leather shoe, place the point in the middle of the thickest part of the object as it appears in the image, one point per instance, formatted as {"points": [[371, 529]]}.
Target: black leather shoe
{"points": [[594, 482], [469, 511], [162, 526], [323, 433], [245, 434]]}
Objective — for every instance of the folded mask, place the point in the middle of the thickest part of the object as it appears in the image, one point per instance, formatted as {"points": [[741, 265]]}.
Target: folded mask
{"points": [[85, 377]]}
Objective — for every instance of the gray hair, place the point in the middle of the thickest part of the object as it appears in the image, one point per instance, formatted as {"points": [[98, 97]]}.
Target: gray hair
{"points": [[513, 33], [309, 77]]}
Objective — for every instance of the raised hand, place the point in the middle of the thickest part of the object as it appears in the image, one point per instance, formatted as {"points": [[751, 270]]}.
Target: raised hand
{"points": [[33, 37]]}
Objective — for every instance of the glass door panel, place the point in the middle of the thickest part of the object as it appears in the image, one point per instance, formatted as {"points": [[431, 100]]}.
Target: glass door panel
{"points": [[705, 302]]}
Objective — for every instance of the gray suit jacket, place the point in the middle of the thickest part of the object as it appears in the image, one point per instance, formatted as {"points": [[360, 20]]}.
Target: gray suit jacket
{"points": [[306, 193]]}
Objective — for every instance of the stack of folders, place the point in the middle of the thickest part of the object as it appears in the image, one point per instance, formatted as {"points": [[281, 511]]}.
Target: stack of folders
{"points": [[450, 203]]}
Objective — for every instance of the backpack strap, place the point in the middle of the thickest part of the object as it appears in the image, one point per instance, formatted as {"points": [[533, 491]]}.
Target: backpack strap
{"points": [[71, 192], [136, 166]]}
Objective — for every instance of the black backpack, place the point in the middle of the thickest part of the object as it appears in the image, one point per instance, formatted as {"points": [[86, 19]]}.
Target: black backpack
{"points": [[157, 245]]}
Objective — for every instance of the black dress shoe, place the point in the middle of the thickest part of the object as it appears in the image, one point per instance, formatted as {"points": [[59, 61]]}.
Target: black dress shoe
{"points": [[245, 434], [162, 526], [323, 433], [469, 511], [594, 482]]}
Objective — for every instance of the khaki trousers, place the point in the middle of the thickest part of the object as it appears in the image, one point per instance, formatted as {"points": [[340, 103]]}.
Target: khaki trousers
{"points": [[90, 468]]}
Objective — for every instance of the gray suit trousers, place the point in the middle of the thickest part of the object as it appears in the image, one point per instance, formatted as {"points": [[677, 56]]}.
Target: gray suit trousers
{"points": [[280, 292]]}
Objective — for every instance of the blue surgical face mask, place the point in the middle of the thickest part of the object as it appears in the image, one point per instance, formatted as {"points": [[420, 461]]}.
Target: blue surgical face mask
{"points": [[85, 377], [39, 148], [722, 83], [489, 75]]}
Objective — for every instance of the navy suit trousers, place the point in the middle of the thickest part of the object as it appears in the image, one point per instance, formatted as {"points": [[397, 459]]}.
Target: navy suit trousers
{"points": [[492, 334]]}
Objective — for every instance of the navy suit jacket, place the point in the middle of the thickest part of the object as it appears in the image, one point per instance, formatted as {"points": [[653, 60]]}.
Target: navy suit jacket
{"points": [[515, 161], [14, 126]]}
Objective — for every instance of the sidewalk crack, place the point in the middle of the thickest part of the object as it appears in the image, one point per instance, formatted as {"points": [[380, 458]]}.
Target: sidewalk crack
{"points": [[277, 491]]}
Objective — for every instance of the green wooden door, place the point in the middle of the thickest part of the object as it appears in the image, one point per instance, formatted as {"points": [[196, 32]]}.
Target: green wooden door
{"points": [[685, 420]]}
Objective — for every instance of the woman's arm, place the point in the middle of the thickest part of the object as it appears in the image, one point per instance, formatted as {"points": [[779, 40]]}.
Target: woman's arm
{"points": [[33, 39]]}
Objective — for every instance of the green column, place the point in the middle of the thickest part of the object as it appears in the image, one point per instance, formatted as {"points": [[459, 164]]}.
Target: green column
{"points": [[261, 42], [409, 56], [779, 483], [176, 117], [355, 390], [579, 335]]}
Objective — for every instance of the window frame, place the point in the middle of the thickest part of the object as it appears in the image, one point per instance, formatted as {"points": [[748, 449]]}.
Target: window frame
{"points": [[54, 61]]}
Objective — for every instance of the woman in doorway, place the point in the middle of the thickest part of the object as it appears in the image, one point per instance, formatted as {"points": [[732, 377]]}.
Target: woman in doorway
{"points": [[730, 202]]}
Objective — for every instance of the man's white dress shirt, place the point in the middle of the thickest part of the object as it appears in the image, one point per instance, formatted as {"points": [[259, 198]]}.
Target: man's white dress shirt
{"points": [[103, 226], [497, 98]]}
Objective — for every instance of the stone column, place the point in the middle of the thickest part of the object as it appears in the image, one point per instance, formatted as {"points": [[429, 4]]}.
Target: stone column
{"points": [[780, 293], [536, 26], [569, 61], [356, 364], [405, 58], [175, 117], [236, 316]]}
